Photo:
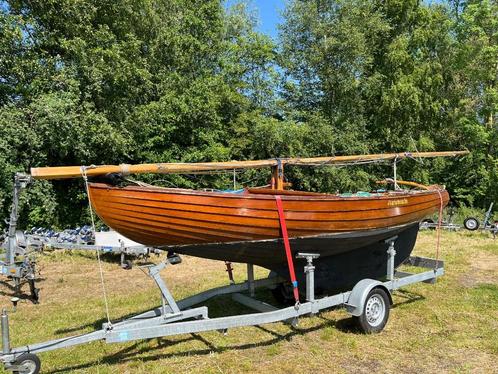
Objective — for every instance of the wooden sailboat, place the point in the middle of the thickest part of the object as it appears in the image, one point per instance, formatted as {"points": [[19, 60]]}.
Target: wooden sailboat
{"points": [[347, 231]]}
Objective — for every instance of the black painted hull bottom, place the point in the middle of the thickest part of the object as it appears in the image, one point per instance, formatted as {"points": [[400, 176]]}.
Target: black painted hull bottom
{"points": [[344, 259], [342, 271]]}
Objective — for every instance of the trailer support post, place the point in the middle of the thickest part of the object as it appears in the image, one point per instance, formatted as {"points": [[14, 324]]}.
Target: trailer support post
{"points": [[250, 279], [5, 333], [166, 297], [309, 270], [391, 253]]}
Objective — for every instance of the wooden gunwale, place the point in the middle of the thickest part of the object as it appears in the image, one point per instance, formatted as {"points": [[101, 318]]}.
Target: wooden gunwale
{"points": [[264, 197]]}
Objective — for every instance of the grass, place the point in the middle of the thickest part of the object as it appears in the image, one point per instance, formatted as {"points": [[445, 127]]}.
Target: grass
{"points": [[451, 326]]}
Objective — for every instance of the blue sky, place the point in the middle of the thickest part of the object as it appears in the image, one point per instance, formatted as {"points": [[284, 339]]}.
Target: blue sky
{"points": [[269, 12], [269, 15]]}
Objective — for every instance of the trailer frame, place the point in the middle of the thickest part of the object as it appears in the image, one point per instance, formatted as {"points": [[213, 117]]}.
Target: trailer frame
{"points": [[184, 317]]}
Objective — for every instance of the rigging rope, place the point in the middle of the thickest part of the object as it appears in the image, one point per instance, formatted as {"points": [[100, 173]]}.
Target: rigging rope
{"points": [[337, 164], [439, 223], [104, 293]]}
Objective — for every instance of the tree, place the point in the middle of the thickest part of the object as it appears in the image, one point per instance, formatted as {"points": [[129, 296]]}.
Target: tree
{"points": [[129, 81], [476, 66], [394, 75]]}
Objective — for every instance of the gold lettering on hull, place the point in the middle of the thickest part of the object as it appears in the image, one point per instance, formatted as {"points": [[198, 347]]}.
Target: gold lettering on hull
{"points": [[397, 202]]}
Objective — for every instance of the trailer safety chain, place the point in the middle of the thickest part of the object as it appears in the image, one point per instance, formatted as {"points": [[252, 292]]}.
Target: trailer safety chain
{"points": [[288, 253], [104, 293]]}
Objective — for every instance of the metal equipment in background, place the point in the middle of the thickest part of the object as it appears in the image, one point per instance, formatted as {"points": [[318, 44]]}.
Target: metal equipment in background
{"points": [[18, 264], [18, 260], [109, 242], [473, 224], [368, 302], [446, 223]]}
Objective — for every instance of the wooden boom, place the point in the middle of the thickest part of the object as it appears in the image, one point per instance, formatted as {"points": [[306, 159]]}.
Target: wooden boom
{"points": [[66, 172]]}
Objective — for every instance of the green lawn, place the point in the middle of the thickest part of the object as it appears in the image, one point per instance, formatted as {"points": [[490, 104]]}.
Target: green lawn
{"points": [[451, 326]]}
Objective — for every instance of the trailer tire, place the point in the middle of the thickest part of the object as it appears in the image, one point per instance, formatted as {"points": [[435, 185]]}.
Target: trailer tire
{"points": [[375, 312], [30, 361], [471, 223]]}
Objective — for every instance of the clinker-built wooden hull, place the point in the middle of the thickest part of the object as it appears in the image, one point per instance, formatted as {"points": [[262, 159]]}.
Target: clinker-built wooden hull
{"points": [[200, 222], [349, 232]]}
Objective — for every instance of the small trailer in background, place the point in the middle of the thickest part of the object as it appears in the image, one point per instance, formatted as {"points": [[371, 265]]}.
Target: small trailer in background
{"points": [[473, 224]]}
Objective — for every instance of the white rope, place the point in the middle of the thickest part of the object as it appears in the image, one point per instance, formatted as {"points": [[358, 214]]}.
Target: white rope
{"points": [[104, 293], [439, 223]]}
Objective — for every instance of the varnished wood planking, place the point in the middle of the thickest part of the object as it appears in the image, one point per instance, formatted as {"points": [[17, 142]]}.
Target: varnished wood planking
{"points": [[239, 216], [161, 216], [163, 231], [261, 226]]}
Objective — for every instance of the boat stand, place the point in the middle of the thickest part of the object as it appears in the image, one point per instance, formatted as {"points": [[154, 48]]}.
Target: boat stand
{"points": [[369, 301]]}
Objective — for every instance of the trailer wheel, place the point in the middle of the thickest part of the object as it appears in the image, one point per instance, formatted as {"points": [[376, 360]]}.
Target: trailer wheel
{"points": [[471, 223], [30, 364], [375, 312]]}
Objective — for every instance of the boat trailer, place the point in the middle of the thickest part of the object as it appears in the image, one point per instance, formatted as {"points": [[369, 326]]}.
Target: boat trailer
{"points": [[368, 302]]}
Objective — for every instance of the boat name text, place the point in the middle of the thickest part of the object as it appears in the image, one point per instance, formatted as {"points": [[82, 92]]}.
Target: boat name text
{"points": [[397, 202]]}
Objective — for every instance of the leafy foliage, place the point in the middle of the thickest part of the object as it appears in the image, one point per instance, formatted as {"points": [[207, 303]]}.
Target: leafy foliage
{"points": [[181, 80]]}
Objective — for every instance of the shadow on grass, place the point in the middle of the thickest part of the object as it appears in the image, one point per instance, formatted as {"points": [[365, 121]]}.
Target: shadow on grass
{"points": [[131, 353], [219, 308], [408, 297]]}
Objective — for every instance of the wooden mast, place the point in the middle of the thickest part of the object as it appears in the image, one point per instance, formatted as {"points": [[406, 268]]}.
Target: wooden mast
{"points": [[277, 176], [67, 172]]}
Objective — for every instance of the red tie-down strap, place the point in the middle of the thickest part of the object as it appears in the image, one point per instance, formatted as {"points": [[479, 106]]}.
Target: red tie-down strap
{"points": [[288, 253]]}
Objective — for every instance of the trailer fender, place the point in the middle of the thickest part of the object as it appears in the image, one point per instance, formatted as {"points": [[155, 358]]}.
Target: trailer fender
{"points": [[356, 299]]}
